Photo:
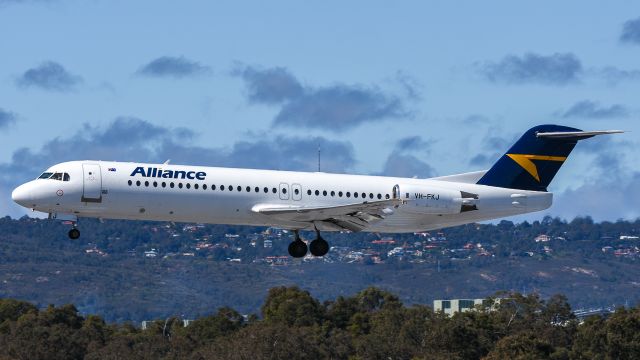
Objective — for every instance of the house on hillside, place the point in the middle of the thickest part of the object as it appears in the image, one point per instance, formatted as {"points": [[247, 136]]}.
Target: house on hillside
{"points": [[151, 253], [542, 238]]}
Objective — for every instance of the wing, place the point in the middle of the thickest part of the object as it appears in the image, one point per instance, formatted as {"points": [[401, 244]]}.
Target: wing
{"points": [[353, 217]]}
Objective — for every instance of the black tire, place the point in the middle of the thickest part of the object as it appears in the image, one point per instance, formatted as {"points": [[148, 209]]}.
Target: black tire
{"points": [[74, 234], [298, 249], [319, 247]]}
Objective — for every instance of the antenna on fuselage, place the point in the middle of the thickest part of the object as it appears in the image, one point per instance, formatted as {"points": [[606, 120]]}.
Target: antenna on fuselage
{"points": [[166, 162]]}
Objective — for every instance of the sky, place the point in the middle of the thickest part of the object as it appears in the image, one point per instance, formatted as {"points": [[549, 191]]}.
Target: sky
{"points": [[412, 88]]}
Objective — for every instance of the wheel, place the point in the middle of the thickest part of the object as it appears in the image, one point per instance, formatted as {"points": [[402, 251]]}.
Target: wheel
{"points": [[74, 234], [319, 247], [298, 249]]}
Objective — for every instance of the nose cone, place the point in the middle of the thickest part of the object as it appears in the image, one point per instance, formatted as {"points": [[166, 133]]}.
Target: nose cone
{"points": [[22, 195]]}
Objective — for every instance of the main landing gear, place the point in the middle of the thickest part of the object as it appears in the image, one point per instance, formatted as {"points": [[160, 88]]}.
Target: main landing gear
{"points": [[318, 247]]}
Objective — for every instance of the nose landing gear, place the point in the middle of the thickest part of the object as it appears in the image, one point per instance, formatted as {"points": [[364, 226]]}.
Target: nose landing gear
{"points": [[72, 219], [318, 247], [74, 234]]}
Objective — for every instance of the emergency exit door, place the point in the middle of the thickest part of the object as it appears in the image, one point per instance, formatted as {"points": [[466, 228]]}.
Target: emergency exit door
{"points": [[92, 183]]}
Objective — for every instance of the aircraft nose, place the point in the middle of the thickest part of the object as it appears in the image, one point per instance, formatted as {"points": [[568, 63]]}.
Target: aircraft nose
{"points": [[21, 195]]}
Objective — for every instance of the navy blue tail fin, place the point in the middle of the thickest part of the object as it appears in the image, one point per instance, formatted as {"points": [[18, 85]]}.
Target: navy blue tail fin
{"points": [[533, 160]]}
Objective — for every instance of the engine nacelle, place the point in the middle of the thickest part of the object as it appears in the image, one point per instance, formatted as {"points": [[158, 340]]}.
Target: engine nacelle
{"points": [[431, 200]]}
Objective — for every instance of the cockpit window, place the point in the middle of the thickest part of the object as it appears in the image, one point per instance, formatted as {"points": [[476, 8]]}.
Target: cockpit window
{"points": [[55, 176]]}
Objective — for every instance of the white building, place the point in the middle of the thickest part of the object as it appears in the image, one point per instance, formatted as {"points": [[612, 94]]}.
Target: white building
{"points": [[453, 306]]}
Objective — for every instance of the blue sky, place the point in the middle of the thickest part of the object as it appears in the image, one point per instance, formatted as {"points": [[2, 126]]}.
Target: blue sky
{"points": [[412, 88]]}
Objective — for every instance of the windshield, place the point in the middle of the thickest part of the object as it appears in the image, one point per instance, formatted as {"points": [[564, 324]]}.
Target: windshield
{"points": [[55, 176]]}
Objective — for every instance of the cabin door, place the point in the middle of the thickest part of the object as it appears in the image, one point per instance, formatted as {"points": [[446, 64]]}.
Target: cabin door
{"points": [[92, 183], [284, 191]]}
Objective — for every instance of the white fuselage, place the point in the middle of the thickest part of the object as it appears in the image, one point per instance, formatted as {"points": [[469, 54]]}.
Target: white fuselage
{"points": [[117, 190]]}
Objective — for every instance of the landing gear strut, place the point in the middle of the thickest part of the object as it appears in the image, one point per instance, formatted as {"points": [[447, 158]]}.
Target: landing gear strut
{"points": [[297, 248], [74, 234]]}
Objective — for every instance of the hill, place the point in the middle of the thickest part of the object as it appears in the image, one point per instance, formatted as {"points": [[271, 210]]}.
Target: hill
{"points": [[140, 271]]}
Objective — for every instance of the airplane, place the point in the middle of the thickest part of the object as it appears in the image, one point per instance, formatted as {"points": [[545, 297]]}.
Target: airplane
{"points": [[516, 184]]}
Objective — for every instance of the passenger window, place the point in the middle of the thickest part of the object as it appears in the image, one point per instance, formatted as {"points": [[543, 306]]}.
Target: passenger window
{"points": [[266, 190], [213, 187], [274, 190], [333, 193], [204, 186], [296, 191], [308, 192], [155, 184], [355, 194], [364, 195], [348, 194], [248, 188], [164, 184], [66, 177], [379, 196], [317, 192], [130, 182], [230, 187], [386, 196], [370, 195], [138, 183], [188, 186], [221, 187], [146, 183], [239, 188], [324, 192], [195, 186], [180, 185], [284, 190], [257, 189], [171, 185]]}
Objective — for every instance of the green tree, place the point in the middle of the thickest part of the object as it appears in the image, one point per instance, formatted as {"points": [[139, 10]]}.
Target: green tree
{"points": [[292, 306], [12, 309], [521, 346], [206, 329]]}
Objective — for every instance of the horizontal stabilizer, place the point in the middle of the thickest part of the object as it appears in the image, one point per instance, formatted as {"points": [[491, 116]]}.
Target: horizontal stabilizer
{"points": [[577, 135]]}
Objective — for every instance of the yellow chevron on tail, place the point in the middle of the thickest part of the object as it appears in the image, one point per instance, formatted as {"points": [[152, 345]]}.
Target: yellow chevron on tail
{"points": [[526, 163]]}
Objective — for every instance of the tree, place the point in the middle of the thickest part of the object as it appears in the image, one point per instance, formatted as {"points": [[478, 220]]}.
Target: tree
{"points": [[372, 299], [12, 309], [623, 334], [226, 321], [522, 346], [291, 306]]}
